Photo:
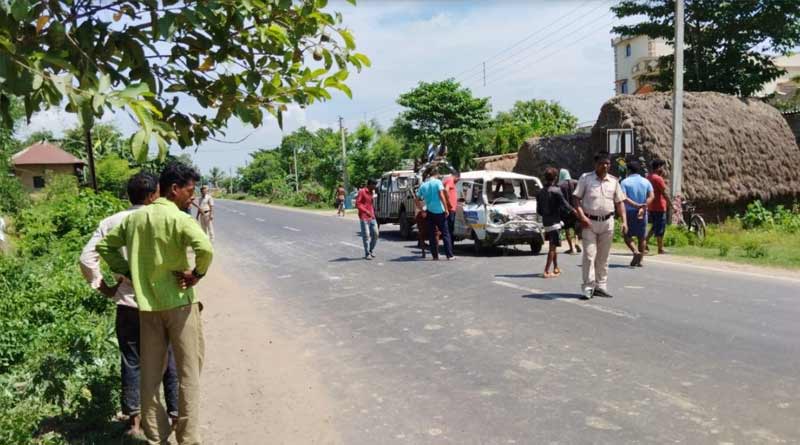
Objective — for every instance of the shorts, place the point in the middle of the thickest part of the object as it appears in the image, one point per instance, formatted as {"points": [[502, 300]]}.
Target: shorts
{"points": [[571, 222], [553, 237], [338, 203], [659, 222], [636, 227]]}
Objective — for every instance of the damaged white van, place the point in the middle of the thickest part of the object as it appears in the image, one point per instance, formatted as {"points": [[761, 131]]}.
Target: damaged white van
{"points": [[498, 208]]}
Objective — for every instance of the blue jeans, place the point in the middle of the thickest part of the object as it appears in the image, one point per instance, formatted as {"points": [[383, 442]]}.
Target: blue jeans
{"points": [[127, 326], [370, 239], [439, 221]]}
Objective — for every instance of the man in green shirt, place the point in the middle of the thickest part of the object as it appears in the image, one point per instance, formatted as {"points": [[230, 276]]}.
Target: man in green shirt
{"points": [[156, 239]]}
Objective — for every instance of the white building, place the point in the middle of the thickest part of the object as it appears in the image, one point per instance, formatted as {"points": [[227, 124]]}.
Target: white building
{"points": [[635, 57]]}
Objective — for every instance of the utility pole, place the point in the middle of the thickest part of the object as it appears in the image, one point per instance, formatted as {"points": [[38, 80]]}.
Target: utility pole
{"points": [[344, 156], [484, 73], [230, 180], [87, 132], [296, 180], [677, 104]]}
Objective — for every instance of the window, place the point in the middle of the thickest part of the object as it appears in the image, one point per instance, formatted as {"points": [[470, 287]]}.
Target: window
{"points": [[623, 87], [38, 182], [402, 182], [628, 50], [620, 141], [384, 186]]}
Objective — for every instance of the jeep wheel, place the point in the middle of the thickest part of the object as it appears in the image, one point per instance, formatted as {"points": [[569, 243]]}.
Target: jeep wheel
{"points": [[405, 225]]}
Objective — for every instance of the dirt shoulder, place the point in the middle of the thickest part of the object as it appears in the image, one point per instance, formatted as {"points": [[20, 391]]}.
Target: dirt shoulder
{"points": [[257, 385]]}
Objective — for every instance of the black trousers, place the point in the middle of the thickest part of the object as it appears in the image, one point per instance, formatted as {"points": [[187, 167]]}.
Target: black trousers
{"points": [[438, 220], [127, 326]]}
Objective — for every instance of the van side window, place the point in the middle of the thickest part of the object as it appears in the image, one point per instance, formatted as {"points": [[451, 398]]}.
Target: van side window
{"points": [[477, 191], [465, 192]]}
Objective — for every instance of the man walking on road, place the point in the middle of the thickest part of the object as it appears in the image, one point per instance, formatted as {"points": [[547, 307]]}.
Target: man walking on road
{"points": [[205, 212], [156, 239], [339, 200], [597, 195], [436, 212], [142, 191], [567, 186], [452, 202], [639, 194], [658, 206], [366, 215]]}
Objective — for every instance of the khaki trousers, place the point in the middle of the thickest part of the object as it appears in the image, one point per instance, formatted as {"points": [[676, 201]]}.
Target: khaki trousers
{"points": [[207, 225], [596, 248], [183, 328]]}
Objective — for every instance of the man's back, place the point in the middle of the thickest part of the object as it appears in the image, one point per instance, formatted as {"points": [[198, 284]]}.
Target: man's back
{"points": [[429, 192], [636, 188], [156, 238]]}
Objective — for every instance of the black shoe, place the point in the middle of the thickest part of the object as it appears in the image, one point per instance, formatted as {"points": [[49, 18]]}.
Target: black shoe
{"points": [[601, 293], [637, 259]]}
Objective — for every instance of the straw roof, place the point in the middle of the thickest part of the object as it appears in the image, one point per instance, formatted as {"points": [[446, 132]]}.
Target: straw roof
{"points": [[735, 150], [504, 162]]}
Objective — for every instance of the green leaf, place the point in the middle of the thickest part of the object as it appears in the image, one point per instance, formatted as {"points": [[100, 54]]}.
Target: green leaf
{"points": [[19, 9], [139, 146], [97, 102], [37, 81], [363, 59], [104, 84], [343, 88], [352, 2], [163, 147], [7, 44], [134, 91], [328, 59], [349, 41]]}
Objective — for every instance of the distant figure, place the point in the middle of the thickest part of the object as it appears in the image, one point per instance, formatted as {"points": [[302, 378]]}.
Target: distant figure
{"points": [[570, 220], [340, 200], [435, 210], [551, 205], [451, 194], [596, 196], [142, 190], [205, 212], [366, 216], [658, 207], [639, 194]]}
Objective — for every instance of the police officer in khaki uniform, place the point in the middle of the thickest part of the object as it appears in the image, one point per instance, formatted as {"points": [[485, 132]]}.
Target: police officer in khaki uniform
{"points": [[205, 212], [597, 196]]}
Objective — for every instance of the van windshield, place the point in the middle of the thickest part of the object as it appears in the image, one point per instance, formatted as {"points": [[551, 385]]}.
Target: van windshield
{"points": [[502, 190]]}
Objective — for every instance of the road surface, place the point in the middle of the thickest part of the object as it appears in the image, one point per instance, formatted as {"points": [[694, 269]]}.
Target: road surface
{"points": [[483, 351]]}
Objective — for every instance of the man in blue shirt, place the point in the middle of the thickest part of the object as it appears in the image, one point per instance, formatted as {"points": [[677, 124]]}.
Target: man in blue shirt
{"points": [[435, 212], [639, 193]]}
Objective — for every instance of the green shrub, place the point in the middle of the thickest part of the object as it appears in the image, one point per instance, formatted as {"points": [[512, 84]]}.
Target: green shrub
{"points": [[13, 196], [723, 251], [753, 249], [113, 174], [676, 237], [58, 359]]}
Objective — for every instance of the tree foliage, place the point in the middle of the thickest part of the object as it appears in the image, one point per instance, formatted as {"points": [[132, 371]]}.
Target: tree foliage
{"points": [[443, 113], [526, 119], [232, 58], [724, 40]]}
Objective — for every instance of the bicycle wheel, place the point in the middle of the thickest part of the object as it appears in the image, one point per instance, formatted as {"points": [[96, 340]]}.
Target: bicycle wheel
{"points": [[698, 226]]}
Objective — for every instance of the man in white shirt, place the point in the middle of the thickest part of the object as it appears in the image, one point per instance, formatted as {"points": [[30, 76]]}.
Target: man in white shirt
{"points": [[142, 190], [205, 212]]}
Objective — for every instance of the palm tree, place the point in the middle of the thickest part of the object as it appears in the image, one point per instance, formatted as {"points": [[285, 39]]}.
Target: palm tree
{"points": [[216, 175]]}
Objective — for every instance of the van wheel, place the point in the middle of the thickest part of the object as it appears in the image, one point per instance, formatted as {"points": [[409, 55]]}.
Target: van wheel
{"points": [[405, 225], [536, 246]]}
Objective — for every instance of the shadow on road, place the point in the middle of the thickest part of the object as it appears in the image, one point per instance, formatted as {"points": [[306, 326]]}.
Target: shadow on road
{"points": [[345, 259], [555, 296], [519, 275], [408, 258], [619, 266]]}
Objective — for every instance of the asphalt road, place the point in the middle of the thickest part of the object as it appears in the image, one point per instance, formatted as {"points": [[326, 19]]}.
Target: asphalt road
{"points": [[483, 351]]}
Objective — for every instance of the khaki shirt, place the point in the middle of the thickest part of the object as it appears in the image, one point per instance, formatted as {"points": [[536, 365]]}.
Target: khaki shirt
{"points": [[206, 203], [597, 196]]}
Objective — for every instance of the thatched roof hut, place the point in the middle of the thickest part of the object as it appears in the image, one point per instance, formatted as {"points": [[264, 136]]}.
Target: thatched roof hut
{"points": [[735, 150], [504, 162]]}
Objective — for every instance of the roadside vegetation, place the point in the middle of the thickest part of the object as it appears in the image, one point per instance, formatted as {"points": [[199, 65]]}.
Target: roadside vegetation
{"points": [[59, 366], [761, 236]]}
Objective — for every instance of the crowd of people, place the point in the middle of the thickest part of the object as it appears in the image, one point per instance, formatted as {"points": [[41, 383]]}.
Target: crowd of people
{"points": [[583, 209], [158, 319]]}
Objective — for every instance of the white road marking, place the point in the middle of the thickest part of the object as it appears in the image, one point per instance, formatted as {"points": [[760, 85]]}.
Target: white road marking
{"points": [[581, 303], [291, 229], [260, 220], [733, 271], [634, 287], [350, 244]]}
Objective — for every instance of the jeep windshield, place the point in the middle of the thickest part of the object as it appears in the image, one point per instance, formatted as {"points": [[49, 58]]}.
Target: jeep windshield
{"points": [[503, 191]]}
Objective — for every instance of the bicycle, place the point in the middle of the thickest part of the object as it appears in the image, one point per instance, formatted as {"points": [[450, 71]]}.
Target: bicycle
{"points": [[689, 218]]}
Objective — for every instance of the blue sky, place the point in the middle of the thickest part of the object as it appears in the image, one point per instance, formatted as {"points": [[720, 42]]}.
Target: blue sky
{"points": [[566, 57]]}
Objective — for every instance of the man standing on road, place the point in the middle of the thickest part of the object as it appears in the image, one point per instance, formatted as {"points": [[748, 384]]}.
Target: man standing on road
{"points": [[452, 202], [339, 200], [658, 207], [366, 215], [639, 194], [156, 238], [436, 212], [205, 212], [142, 191], [597, 195], [567, 186]]}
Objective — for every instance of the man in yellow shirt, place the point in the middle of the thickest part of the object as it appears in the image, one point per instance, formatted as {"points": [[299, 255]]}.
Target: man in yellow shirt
{"points": [[156, 239]]}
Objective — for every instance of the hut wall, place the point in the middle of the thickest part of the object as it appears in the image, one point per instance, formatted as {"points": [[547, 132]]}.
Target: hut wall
{"points": [[573, 152]]}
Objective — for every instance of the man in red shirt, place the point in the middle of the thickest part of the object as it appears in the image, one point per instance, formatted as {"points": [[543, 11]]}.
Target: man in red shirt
{"points": [[366, 214], [658, 207], [452, 201]]}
